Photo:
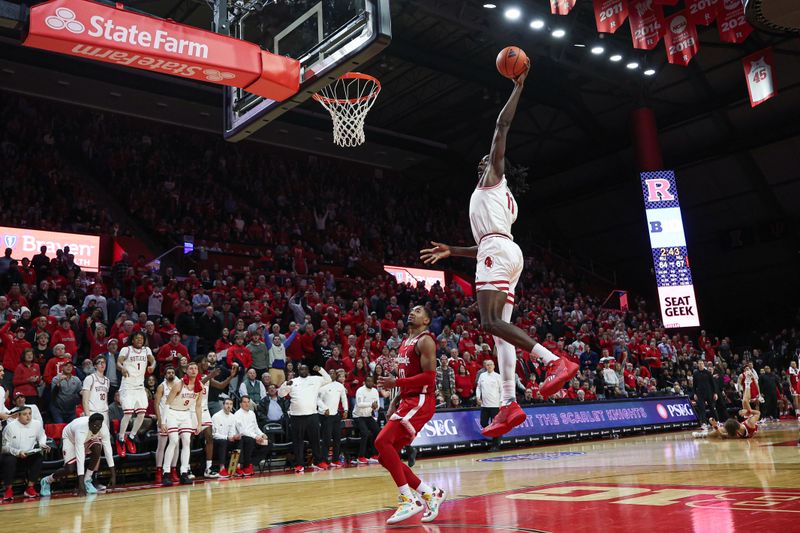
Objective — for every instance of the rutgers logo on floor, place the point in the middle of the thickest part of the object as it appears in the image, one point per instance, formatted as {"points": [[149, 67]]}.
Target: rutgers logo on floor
{"points": [[488, 262]]}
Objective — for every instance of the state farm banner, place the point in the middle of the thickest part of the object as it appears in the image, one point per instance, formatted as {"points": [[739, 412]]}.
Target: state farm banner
{"points": [[670, 254], [680, 39], [561, 7], [609, 15], [759, 70], [96, 31], [731, 22], [702, 12], [647, 23], [27, 242]]}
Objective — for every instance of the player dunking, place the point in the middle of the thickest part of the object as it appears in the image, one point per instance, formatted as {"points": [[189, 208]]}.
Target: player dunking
{"points": [[492, 211], [408, 412]]}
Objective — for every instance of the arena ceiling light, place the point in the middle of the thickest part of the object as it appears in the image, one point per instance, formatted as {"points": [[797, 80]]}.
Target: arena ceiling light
{"points": [[537, 24], [615, 58], [490, 6], [650, 72], [597, 50], [558, 33], [513, 13], [633, 65]]}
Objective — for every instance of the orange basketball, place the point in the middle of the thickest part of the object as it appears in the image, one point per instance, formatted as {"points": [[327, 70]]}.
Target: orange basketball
{"points": [[511, 61]]}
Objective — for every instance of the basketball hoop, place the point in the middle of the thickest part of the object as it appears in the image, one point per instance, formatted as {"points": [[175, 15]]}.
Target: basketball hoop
{"points": [[348, 100]]}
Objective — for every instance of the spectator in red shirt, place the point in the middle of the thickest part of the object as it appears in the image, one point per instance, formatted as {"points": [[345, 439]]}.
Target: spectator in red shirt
{"points": [[465, 385], [65, 335], [97, 339], [170, 354], [241, 355], [13, 346], [53, 366], [27, 378], [224, 342]]}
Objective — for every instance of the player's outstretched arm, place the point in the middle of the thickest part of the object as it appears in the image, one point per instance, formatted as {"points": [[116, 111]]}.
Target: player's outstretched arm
{"points": [[430, 256], [496, 168]]}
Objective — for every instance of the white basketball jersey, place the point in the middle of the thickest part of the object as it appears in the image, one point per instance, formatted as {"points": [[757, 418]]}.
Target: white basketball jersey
{"points": [[136, 364], [98, 392], [185, 400], [204, 400], [165, 385], [492, 210]]}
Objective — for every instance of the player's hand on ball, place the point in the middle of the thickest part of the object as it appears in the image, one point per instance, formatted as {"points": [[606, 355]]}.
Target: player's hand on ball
{"points": [[387, 382], [430, 256], [520, 80]]}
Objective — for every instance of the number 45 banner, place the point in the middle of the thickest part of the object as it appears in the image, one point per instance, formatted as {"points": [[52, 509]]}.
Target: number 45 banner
{"points": [[759, 70]]}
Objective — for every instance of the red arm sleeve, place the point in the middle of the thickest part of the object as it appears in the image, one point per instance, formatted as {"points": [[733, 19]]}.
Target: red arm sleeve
{"points": [[420, 380]]}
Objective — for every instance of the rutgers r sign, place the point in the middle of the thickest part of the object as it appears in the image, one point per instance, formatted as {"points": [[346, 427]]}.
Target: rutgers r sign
{"points": [[27, 243]]}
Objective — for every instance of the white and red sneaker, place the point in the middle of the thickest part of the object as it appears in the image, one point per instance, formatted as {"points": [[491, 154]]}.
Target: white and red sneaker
{"points": [[224, 472], [558, 373], [362, 461], [336, 464], [509, 417], [299, 470], [30, 492]]}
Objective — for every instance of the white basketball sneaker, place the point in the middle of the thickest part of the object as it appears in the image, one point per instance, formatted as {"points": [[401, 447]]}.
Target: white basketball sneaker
{"points": [[406, 508], [433, 501]]}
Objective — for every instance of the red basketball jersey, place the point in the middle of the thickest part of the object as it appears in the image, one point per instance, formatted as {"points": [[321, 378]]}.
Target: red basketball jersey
{"points": [[409, 364]]}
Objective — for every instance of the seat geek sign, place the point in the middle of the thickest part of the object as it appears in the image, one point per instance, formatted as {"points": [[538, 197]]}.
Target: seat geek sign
{"points": [[670, 254], [27, 242]]}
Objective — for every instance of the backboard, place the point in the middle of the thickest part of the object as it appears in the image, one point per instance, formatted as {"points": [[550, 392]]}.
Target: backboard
{"points": [[328, 37]]}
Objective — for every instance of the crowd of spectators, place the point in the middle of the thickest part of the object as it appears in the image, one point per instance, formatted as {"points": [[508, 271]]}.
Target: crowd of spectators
{"points": [[300, 214]]}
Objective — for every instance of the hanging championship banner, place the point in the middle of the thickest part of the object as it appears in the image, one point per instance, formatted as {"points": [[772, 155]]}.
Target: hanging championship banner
{"points": [[702, 12], [610, 14], [759, 70], [561, 7], [731, 22], [647, 23], [670, 256], [681, 39]]}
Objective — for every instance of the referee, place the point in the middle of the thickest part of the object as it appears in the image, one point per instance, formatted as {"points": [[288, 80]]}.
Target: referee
{"points": [[488, 393], [303, 414]]}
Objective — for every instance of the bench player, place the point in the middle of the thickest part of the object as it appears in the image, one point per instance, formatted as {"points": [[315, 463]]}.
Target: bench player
{"points": [[179, 423], [407, 414], [134, 362], [160, 403], [87, 435], [492, 211]]}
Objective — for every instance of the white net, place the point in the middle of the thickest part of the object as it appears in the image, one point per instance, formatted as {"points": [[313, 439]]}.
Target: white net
{"points": [[348, 100]]}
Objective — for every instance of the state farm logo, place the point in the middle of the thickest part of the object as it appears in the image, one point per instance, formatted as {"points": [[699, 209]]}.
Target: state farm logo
{"points": [[662, 411], [678, 25], [216, 75], [65, 19]]}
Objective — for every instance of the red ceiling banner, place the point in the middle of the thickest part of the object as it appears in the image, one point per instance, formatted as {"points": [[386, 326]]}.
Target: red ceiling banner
{"points": [[702, 12], [561, 7], [759, 70], [647, 23], [731, 22], [609, 15], [681, 39]]}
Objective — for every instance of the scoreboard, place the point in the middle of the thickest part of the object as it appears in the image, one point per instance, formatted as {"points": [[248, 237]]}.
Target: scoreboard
{"points": [[670, 256]]}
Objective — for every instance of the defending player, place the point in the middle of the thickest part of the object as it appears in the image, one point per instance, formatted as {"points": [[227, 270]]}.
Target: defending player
{"points": [[492, 211], [179, 423], [134, 362], [733, 429], [84, 435], [408, 412], [160, 403]]}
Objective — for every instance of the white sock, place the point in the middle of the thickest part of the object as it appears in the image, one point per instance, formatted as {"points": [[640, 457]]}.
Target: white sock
{"points": [[406, 491], [88, 474], [424, 488], [208, 465], [544, 354], [49, 478], [507, 365]]}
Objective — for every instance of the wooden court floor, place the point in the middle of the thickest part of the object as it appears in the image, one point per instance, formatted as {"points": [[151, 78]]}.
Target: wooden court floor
{"points": [[663, 482]]}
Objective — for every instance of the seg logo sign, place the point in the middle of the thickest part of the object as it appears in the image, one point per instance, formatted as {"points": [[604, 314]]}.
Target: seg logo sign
{"points": [[440, 428], [64, 19], [677, 410]]}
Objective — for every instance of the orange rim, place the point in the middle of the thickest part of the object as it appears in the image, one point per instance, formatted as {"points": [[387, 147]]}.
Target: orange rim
{"points": [[351, 76]]}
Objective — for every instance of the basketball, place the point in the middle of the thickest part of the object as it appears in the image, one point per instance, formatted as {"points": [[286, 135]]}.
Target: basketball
{"points": [[511, 61]]}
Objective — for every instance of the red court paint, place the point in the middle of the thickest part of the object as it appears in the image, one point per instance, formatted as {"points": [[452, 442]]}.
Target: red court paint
{"points": [[592, 507]]}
